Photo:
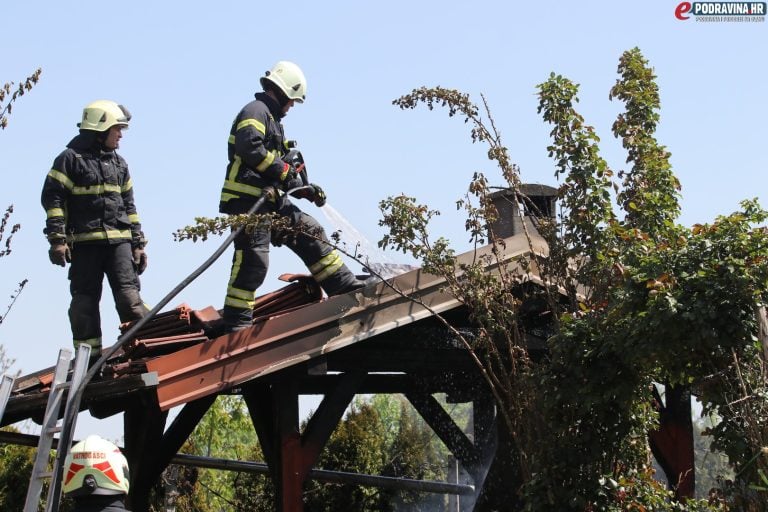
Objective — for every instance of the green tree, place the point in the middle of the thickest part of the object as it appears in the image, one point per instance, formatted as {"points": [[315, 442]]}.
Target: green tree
{"points": [[15, 469], [380, 435], [356, 446], [648, 301], [254, 492], [712, 467], [412, 454], [225, 432]]}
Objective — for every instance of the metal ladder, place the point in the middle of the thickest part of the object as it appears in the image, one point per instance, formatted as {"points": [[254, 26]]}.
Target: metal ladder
{"points": [[6, 385], [50, 425]]}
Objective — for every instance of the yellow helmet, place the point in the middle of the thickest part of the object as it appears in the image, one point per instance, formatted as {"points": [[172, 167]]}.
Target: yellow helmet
{"points": [[95, 466], [101, 115], [289, 78]]}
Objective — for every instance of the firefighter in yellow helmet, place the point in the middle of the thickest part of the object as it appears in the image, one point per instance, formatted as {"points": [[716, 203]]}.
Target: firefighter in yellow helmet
{"points": [[92, 222], [260, 156], [96, 476]]}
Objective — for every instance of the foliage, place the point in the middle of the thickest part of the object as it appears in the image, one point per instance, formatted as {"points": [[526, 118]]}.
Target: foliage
{"points": [[656, 302], [712, 467], [650, 192], [254, 492], [204, 227], [631, 300], [585, 192], [6, 363], [412, 455], [16, 462], [498, 347], [15, 469], [7, 99], [3, 226], [377, 437], [225, 432], [354, 447], [638, 490], [383, 436], [14, 296], [9, 93], [5, 252]]}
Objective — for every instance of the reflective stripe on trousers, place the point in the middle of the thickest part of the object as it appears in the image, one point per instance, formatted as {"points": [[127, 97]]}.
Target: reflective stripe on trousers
{"points": [[251, 260], [90, 263]]}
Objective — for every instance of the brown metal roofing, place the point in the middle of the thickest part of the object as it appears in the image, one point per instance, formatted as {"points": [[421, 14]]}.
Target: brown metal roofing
{"points": [[291, 325], [178, 328], [289, 338]]}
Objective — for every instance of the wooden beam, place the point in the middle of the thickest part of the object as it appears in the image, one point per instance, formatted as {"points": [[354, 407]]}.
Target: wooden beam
{"points": [[325, 420], [261, 406], [672, 443], [181, 428], [446, 429], [290, 484], [105, 397], [143, 431]]}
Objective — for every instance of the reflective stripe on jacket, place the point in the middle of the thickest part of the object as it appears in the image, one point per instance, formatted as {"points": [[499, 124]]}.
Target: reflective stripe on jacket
{"points": [[88, 196], [255, 149]]}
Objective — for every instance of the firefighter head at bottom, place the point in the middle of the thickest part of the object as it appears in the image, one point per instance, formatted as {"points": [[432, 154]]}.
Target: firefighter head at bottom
{"points": [[95, 467]]}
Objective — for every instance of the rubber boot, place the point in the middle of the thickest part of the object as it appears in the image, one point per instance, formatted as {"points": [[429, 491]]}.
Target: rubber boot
{"points": [[343, 281]]}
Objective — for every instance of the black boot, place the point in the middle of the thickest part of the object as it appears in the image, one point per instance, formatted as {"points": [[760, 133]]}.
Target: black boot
{"points": [[341, 283], [94, 357], [235, 319]]}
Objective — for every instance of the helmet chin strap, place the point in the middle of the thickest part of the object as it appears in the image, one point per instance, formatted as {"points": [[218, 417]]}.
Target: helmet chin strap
{"points": [[95, 137], [90, 482], [276, 94]]}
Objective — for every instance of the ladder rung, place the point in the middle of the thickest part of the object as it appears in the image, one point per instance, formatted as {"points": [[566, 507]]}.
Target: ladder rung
{"points": [[6, 385], [63, 382]]}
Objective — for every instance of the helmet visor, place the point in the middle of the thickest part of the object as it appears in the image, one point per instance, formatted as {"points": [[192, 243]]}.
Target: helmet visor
{"points": [[125, 118]]}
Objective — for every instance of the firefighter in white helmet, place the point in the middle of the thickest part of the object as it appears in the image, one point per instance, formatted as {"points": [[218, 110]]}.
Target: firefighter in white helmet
{"points": [[92, 222], [96, 476], [260, 156]]}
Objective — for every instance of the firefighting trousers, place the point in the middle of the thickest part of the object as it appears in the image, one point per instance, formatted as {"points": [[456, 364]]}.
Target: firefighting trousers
{"points": [[251, 260], [86, 274]]}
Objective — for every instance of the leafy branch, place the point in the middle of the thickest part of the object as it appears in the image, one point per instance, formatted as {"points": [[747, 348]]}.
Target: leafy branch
{"points": [[10, 92], [14, 296], [3, 227]]}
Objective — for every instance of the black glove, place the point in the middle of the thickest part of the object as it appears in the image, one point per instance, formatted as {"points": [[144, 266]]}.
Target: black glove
{"points": [[290, 178], [318, 195], [140, 259], [59, 253]]}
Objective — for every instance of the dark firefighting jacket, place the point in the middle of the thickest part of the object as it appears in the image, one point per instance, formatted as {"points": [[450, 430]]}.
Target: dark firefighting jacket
{"points": [[88, 196], [100, 504], [255, 148]]}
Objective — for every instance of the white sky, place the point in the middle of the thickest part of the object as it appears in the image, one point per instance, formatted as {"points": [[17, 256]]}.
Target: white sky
{"points": [[184, 69]]}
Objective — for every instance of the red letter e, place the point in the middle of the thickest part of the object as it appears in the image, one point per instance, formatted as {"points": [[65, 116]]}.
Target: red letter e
{"points": [[682, 8]]}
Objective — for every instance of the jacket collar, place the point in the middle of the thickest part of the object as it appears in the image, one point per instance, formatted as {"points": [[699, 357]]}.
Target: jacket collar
{"points": [[88, 142], [272, 105]]}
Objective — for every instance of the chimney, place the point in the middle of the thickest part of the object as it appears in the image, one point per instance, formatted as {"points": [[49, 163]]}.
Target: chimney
{"points": [[538, 202]]}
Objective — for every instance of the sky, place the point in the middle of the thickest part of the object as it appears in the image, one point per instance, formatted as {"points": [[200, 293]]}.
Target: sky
{"points": [[184, 70]]}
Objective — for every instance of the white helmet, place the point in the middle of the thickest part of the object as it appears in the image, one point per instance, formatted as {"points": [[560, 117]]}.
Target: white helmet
{"points": [[95, 466], [289, 78], [101, 115]]}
